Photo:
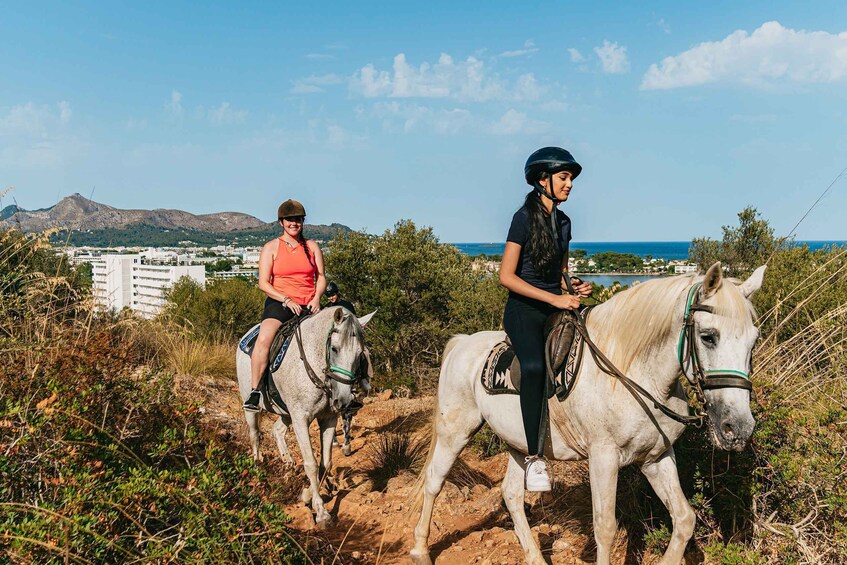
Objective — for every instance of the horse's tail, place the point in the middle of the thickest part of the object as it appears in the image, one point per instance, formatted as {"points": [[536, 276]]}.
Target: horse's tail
{"points": [[418, 490]]}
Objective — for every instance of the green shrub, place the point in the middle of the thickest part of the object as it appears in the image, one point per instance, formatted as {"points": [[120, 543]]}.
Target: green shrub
{"points": [[99, 462]]}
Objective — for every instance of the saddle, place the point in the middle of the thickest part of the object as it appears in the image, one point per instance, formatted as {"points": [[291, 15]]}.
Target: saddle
{"points": [[563, 347], [276, 354]]}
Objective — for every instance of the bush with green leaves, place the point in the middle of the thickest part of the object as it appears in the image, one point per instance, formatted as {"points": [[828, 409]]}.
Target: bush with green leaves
{"points": [[222, 310], [425, 292]]}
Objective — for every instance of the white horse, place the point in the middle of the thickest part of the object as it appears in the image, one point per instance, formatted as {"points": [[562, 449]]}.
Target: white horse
{"points": [[641, 331], [333, 345]]}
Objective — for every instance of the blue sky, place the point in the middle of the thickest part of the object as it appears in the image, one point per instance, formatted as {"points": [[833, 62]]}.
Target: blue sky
{"points": [[681, 113]]}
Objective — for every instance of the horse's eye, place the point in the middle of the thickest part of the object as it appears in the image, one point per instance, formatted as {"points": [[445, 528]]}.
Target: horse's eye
{"points": [[334, 349], [710, 339]]}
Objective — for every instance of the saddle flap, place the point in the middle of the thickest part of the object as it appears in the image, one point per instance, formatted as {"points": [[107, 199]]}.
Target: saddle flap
{"points": [[559, 331]]}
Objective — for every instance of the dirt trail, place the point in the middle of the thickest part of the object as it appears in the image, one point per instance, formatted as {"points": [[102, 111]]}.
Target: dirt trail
{"points": [[470, 522]]}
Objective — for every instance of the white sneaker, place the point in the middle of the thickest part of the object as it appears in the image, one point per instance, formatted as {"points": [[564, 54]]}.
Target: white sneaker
{"points": [[537, 479]]}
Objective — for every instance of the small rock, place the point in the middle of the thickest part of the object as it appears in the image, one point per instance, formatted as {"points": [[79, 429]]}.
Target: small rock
{"points": [[466, 492], [479, 490], [458, 548], [302, 519], [556, 529], [489, 543], [356, 555], [560, 545], [544, 529], [385, 395]]}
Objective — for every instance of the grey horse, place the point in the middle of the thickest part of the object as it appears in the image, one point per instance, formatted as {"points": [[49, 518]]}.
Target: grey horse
{"points": [[602, 420], [333, 344]]}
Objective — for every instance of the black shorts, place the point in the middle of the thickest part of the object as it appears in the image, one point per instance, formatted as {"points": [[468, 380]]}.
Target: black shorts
{"points": [[274, 309]]}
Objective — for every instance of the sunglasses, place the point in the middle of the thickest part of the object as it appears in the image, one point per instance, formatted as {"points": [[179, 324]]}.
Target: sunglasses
{"points": [[295, 219]]}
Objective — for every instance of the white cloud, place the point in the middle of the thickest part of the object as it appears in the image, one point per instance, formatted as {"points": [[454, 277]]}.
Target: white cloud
{"points": [[65, 112], [663, 25], [225, 114], [770, 54], [466, 80], [34, 121], [613, 57], [314, 84], [528, 48], [576, 56], [411, 118], [174, 107], [514, 122]]}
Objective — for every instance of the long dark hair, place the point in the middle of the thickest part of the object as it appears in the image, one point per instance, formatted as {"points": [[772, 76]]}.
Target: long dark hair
{"points": [[541, 247]]}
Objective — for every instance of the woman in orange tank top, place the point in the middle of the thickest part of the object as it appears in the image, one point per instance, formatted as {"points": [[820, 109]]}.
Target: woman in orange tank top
{"points": [[291, 273]]}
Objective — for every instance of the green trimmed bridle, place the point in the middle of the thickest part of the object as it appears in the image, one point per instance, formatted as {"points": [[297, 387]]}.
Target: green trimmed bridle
{"points": [[333, 372], [703, 379]]}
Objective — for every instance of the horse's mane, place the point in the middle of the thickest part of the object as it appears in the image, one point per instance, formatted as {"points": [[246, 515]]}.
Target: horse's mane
{"points": [[635, 322]]}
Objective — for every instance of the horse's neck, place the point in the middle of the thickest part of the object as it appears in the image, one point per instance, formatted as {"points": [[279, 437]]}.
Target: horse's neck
{"points": [[656, 367]]}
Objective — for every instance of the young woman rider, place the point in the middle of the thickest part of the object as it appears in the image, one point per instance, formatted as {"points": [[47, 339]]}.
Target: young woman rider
{"points": [[535, 263], [291, 273]]}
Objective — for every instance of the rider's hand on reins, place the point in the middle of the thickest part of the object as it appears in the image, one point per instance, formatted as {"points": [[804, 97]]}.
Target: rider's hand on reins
{"points": [[583, 288], [565, 301]]}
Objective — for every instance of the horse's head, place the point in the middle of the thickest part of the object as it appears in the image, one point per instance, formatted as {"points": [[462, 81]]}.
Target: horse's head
{"points": [[722, 336], [346, 357]]}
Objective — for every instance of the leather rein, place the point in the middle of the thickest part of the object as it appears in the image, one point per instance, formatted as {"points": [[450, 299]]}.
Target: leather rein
{"points": [[701, 379]]}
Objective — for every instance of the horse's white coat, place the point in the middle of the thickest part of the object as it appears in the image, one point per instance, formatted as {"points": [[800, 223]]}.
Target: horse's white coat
{"points": [[601, 420], [304, 400]]}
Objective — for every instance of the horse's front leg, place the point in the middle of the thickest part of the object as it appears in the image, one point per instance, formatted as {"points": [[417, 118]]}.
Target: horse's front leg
{"points": [[603, 466], [310, 465], [327, 424], [664, 479]]}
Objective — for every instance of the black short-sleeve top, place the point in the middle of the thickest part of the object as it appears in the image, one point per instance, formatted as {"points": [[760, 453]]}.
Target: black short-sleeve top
{"points": [[519, 233]]}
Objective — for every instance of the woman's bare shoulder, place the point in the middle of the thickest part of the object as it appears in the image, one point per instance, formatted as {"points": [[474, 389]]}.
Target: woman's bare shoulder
{"points": [[313, 245], [271, 246]]}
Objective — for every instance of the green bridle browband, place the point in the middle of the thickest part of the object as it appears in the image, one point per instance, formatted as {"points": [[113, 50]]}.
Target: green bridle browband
{"points": [[687, 353]]}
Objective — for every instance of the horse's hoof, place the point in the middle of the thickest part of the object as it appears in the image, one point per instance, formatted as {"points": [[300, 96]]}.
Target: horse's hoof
{"points": [[346, 450], [324, 523], [422, 559], [306, 495]]}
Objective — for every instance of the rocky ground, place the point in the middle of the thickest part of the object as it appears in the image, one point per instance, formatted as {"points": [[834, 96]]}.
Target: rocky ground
{"points": [[471, 525]]}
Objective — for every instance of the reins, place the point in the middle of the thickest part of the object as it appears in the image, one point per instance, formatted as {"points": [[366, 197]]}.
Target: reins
{"points": [[701, 379]]}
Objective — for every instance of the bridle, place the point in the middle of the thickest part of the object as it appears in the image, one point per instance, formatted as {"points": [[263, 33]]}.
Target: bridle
{"points": [[701, 380], [330, 371]]}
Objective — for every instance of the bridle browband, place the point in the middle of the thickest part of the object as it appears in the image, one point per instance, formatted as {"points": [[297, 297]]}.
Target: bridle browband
{"points": [[687, 355]]}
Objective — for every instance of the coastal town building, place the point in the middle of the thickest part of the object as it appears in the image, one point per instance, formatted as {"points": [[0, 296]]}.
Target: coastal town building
{"points": [[124, 281]]}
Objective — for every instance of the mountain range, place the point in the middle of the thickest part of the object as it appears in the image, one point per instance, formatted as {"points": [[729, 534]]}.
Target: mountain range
{"points": [[81, 221], [78, 213]]}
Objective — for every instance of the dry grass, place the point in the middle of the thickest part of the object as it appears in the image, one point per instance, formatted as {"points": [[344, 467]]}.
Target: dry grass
{"points": [[189, 357]]}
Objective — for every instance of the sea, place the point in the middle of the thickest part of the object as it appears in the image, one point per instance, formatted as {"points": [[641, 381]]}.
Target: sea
{"points": [[667, 250]]}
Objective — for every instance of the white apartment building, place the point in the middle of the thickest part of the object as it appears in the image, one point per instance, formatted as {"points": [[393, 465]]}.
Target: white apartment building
{"points": [[123, 281], [684, 269]]}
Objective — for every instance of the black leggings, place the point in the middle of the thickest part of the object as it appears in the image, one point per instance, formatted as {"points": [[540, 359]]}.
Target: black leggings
{"points": [[523, 321]]}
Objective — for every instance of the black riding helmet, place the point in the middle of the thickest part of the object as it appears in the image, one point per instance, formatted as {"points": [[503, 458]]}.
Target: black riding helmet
{"points": [[331, 289], [549, 160]]}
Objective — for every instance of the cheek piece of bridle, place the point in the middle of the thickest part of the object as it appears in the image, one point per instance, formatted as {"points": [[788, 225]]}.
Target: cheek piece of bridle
{"points": [[333, 372], [702, 379]]}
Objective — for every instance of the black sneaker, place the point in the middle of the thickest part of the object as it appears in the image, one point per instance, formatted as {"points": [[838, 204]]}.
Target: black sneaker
{"points": [[252, 402]]}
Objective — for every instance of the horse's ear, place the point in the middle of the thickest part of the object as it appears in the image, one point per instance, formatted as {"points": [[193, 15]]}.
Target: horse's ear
{"points": [[339, 315], [367, 318], [713, 280], [754, 283]]}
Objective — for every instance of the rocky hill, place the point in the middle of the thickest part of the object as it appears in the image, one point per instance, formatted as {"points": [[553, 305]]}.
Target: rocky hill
{"points": [[77, 213]]}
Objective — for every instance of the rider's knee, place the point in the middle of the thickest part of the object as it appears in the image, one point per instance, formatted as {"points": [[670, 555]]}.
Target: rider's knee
{"points": [[532, 368]]}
